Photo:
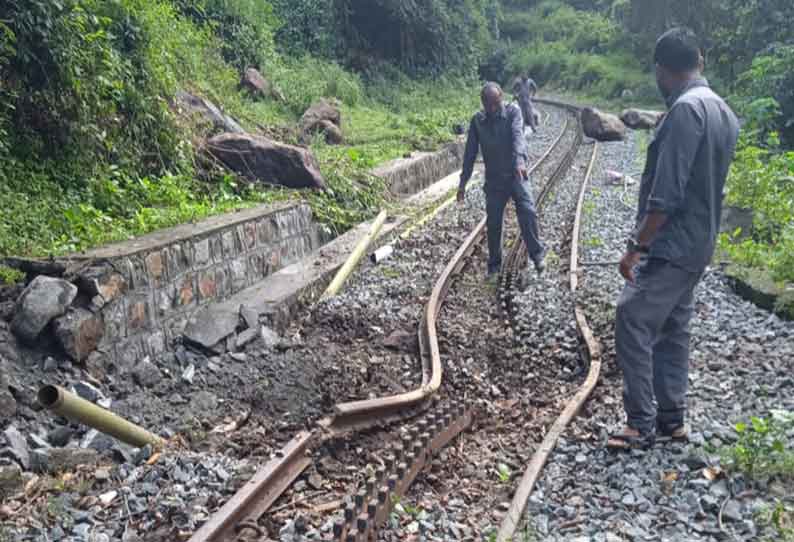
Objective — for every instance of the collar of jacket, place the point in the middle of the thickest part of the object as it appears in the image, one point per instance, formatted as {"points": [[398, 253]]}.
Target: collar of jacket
{"points": [[695, 82]]}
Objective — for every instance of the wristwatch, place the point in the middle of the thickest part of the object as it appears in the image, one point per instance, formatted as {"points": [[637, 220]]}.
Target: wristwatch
{"points": [[634, 246]]}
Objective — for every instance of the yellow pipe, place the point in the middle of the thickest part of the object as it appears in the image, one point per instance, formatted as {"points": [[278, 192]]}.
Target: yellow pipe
{"points": [[339, 280], [68, 405]]}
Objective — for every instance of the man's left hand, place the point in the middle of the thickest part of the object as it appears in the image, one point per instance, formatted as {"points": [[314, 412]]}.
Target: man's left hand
{"points": [[521, 173], [627, 265]]}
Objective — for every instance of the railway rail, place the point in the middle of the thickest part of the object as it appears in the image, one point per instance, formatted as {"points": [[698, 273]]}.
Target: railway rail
{"points": [[436, 422]]}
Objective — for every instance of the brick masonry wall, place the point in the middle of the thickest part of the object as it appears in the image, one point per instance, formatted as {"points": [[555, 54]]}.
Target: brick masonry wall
{"points": [[407, 176], [172, 274]]}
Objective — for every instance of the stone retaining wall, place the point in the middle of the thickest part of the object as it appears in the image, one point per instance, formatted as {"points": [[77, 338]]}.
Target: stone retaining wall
{"points": [[407, 176], [168, 276]]}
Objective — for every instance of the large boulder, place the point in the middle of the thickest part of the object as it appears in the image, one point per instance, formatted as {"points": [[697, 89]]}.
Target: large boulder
{"points": [[641, 119], [325, 118], [79, 333], [602, 126], [259, 159], [208, 112], [43, 300]]}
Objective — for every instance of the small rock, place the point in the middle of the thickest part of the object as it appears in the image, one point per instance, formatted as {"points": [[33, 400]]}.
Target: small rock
{"points": [[102, 475], [239, 357], [79, 333], [270, 338], [108, 498], [8, 405], [50, 364], [88, 392], [60, 436], [17, 447], [189, 374], [733, 511], [147, 374], [315, 481], [246, 337]]}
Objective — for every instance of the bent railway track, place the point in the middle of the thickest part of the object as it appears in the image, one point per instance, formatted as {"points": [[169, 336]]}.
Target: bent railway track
{"points": [[437, 424]]}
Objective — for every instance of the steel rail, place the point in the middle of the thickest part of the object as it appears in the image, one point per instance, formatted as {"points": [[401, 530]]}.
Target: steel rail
{"points": [[512, 520], [237, 520]]}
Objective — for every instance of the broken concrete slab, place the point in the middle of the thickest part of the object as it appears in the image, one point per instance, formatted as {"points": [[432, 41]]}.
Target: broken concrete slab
{"points": [[43, 300], [213, 325]]}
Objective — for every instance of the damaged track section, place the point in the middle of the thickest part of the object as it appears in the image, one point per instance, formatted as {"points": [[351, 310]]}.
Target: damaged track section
{"points": [[401, 464], [238, 519]]}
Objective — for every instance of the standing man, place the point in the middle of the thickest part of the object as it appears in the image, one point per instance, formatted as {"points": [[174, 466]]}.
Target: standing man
{"points": [[498, 131], [525, 89], [678, 220]]}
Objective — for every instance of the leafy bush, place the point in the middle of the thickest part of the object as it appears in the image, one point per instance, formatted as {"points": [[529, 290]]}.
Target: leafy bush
{"points": [[761, 179], [764, 446]]}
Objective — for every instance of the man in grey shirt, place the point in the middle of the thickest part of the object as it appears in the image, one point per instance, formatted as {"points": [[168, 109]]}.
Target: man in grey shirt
{"points": [[525, 89], [678, 221], [498, 131]]}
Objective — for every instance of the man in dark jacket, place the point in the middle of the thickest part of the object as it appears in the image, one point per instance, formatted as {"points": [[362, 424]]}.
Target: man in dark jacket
{"points": [[677, 224], [499, 132]]}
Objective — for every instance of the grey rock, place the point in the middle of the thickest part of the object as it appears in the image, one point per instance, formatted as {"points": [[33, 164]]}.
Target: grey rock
{"points": [[239, 356], [270, 338], [87, 391], [250, 317], [189, 374], [212, 326], [324, 118], [50, 364], [8, 404], [147, 374], [733, 511], [261, 160], [247, 337], [35, 441], [208, 112], [203, 402], [60, 436], [43, 300], [17, 447]]}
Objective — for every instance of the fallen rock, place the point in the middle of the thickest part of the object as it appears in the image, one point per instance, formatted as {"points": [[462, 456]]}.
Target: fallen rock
{"points": [[208, 112], [211, 327], [43, 300], [250, 316], [257, 85], [602, 126], [8, 405], [79, 333], [324, 118], [17, 447], [60, 436], [87, 391], [641, 119], [262, 160]]}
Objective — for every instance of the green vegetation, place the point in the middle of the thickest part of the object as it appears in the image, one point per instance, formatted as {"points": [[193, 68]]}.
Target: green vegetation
{"points": [[763, 448], [91, 150], [781, 519]]}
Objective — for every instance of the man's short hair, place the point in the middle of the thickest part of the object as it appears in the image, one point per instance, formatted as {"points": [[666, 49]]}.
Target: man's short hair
{"points": [[678, 50], [490, 87]]}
